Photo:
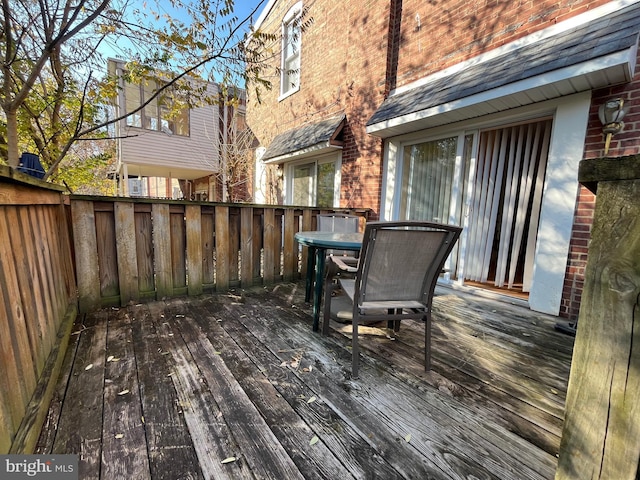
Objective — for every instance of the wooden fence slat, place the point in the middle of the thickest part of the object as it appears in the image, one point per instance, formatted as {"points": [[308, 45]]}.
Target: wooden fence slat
{"points": [[144, 251], [208, 249], [194, 249], [246, 247], [222, 248], [162, 250], [84, 235], [177, 235], [126, 251], [256, 241], [290, 245], [307, 225], [234, 245], [270, 248], [105, 231], [278, 244]]}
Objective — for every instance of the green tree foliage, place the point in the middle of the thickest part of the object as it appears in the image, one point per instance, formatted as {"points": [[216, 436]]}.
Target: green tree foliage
{"points": [[55, 87]]}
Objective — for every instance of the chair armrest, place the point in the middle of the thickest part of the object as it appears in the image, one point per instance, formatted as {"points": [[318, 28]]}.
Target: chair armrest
{"points": [[342, 265]]}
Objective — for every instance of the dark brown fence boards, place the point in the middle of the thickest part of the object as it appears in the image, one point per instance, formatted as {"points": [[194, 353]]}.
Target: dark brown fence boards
{"points": [[37, 299], [146, 249]]}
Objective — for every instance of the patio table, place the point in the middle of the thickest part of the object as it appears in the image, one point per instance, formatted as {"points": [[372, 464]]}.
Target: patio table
{"points": [[318, 244]]}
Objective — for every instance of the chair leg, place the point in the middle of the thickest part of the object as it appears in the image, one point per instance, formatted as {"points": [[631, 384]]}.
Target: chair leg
{"points": [[329, 287], [355, 348], [427, 341]]}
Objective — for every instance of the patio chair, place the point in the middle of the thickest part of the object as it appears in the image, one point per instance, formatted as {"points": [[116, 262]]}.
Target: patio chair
{"points": [[338, 222], [395, 277]]}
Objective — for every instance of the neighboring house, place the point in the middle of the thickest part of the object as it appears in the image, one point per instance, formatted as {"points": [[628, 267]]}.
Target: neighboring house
{"points": [[168, 154], [474, 113]]}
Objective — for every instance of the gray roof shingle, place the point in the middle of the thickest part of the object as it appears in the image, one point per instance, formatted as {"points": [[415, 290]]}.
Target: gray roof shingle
{"points": [[303, 137]]}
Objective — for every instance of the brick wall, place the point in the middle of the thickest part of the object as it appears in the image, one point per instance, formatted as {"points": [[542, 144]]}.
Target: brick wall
{"points": [[343, 66], [578, 250], [437, 35]]}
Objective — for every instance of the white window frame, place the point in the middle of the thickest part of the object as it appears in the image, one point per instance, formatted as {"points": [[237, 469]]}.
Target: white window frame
{"points": [[288, 178], [293, 15]]}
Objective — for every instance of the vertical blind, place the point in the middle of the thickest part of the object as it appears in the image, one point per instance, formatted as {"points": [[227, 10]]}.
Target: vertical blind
{"points": [[505, 206], [427, 179]]}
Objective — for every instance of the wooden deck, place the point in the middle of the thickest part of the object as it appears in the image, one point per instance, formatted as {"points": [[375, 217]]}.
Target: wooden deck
{"points": [[238, 386]]}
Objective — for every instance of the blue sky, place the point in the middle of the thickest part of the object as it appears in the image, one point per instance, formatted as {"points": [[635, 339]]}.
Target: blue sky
{"points": [[242, 9]]}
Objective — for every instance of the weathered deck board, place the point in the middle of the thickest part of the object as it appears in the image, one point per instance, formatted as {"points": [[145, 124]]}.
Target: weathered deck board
{"points": [[171, 451], [244, 376]]}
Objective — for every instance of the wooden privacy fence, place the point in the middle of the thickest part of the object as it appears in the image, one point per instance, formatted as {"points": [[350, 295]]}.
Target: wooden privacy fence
{"points": [[134, 249], [37, 304]]}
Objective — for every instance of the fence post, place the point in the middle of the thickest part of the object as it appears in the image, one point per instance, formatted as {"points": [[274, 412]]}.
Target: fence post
{"points": [[601, 433]]}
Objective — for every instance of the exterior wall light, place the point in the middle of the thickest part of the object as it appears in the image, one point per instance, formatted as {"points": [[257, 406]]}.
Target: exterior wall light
{"points": [[611, 114]]}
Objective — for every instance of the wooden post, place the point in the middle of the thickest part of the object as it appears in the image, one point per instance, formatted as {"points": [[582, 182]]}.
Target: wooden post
{"points": [[601, 434]]}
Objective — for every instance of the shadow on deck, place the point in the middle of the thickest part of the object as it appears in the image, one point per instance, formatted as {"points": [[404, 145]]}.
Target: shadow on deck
{"points": [[238, 386]]}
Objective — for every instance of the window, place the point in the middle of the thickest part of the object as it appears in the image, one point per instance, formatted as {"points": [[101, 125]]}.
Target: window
{"points": [[427, 179], [314, 183], [161, 114], [291, 41]]}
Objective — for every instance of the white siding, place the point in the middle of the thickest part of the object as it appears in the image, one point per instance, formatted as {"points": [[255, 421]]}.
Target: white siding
{"points": [[152, 153]]}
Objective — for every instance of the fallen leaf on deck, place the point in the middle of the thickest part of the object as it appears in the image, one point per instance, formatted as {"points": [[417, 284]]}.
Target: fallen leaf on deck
{"points": [[314, 440], [89, 367], [407, 437], [119, 435], [123, 392], [109, 358], [312, 399], [229, 460]]}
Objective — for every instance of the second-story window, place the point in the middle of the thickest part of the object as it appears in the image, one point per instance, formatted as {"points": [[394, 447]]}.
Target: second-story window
{"points": [[291, 43], [161, 114]]}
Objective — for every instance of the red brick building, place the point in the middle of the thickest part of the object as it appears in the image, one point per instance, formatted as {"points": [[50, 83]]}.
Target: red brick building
{"points": [[475, 113]]}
